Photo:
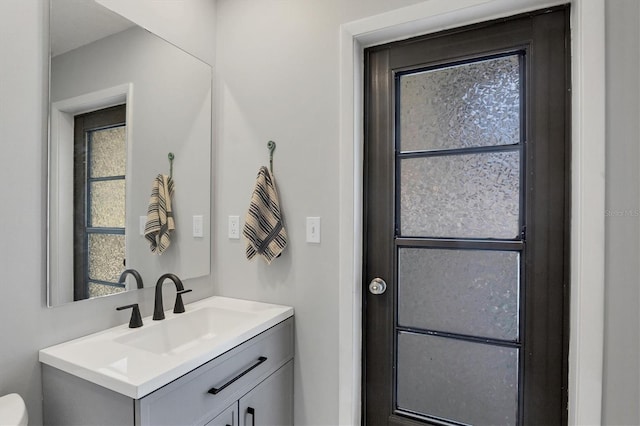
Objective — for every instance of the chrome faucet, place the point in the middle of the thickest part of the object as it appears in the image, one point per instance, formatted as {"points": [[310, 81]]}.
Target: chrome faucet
{"points": [[135, 274], [158, 308]]}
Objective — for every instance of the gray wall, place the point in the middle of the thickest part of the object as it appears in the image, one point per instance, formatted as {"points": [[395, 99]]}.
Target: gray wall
{"points": [[621, 390], [26, 325], [277, 78]]}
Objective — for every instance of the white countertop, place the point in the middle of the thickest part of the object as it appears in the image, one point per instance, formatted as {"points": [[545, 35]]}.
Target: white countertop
{"points": [[123, 360]]}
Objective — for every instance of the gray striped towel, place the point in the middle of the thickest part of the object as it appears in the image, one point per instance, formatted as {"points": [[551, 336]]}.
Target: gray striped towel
{"points": [[264, 227], [160, 222]]}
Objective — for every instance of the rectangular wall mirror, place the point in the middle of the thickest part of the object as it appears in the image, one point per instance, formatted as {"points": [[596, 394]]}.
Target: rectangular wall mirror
{"points": [[122, 99]]}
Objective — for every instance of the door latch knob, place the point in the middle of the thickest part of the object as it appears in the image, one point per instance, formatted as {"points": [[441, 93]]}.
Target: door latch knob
{"points": [[377, 286]]}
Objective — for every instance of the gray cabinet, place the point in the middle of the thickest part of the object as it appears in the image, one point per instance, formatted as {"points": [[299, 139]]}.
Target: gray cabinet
{"points": [[270, 403], [257, 374], [228, 417]]}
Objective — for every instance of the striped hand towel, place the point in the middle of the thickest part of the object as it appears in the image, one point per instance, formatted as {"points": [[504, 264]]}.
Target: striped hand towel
{"points": [[160, 215], [264, 228]]}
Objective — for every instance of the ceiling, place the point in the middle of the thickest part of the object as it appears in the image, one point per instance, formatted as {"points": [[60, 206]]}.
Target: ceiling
{"points": [[75, 23]]}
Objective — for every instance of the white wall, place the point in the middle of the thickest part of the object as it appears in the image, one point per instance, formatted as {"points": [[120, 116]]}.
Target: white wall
{"points": [[277, 69], [621, 388], [277, 78], [26, 325]]}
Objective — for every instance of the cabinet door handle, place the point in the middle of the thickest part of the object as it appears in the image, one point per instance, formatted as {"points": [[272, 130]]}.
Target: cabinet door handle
{"points": [[252, 411], [260, 360]]}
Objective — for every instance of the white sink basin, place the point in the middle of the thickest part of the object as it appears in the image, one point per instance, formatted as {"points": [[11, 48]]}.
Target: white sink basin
{"points": [[135, 362], [187, 331]]}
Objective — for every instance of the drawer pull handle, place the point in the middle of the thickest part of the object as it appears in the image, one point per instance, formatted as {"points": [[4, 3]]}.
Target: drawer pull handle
{"points": [[252, 411], [215, 391]]}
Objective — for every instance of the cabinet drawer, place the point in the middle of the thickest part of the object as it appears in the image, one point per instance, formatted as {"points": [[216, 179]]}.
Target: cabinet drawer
{"points": [[187, 400]]}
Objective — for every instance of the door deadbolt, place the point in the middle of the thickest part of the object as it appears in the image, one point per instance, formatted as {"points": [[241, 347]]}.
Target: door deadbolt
{"points": [[377, 286]]}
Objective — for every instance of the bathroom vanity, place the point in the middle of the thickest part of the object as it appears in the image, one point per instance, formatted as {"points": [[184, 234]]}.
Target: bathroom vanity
{"points": [[223, 362]]}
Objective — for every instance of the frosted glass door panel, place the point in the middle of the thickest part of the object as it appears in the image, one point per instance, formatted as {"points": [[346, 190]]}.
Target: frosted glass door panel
{"points": [[467, 382], [98, 289], [106, 255], [470, 105], [108, 152], [468, 292], [108, 203], [465, 196]]}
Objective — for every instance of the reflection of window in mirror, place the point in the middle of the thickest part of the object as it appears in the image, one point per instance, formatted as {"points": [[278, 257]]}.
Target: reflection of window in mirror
{"points": [[100, 157]]}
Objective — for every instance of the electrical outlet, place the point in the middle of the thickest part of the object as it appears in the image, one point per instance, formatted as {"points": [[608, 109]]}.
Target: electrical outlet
{"points": [[234, 227]]}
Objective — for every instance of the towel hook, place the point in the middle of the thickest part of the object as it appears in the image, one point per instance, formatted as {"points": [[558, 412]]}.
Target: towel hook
{"points": [[272, 147], [171, 157]]}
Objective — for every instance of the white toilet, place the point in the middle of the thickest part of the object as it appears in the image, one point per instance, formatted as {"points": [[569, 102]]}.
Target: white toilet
{"points": [[13, 412]]}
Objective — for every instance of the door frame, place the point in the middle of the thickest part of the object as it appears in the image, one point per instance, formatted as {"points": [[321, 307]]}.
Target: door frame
{"points": [[586, 317]]}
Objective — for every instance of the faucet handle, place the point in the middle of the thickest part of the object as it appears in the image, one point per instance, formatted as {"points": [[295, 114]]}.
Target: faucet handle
{"points": [[136, 319], [178, 308]]}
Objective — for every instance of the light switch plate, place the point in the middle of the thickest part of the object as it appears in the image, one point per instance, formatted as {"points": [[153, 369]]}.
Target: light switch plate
{"points": [[313, 230], [198, 231], [234, 227], [143, 222]]}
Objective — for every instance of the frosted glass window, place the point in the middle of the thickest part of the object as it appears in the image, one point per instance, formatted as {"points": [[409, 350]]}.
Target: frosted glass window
{"points": [[465, 196], [470, 105], [108, 152], [469, 292], [468, 382], [108, 203], [106, 256]]}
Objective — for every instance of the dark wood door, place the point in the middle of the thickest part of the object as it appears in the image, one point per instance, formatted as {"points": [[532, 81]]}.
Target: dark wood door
{"points": [[466, 222]]}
